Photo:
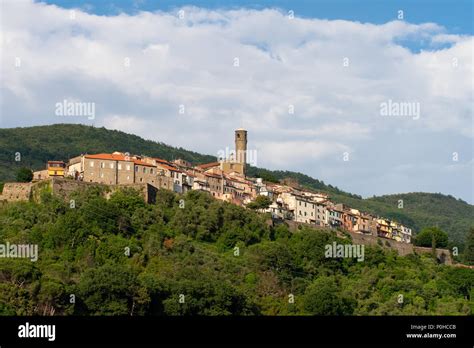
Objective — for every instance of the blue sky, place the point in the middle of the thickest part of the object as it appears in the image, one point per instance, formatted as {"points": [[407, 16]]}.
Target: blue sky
{"points": [[456, 16], [335, 66]]}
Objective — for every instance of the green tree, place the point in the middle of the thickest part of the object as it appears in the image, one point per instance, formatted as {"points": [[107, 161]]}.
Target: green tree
{"points": [[469, 249], [111, 289], [120, 256], [261, 202], [267, 176], [24, 175], [432, 237], [323, 297]]}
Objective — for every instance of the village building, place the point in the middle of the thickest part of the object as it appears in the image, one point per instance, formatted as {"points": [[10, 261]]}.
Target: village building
{"points": [[321, 213], [384, 229], [349, 218], [53, 169], [365, 223], [334, 216], [225, 180], [406, 234]]}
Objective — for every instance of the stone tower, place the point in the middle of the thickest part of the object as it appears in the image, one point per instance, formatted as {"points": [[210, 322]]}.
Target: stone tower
{"points": [[241, 146], [236, 162]]}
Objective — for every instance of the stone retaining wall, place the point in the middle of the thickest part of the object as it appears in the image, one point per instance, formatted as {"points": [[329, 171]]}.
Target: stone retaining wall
{"points": [[16, 191]]}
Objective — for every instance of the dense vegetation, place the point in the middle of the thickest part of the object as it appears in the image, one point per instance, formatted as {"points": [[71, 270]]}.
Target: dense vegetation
{"points": [[36, 145], [432, 237], [468, 255], [24, 175], [191, 254]]}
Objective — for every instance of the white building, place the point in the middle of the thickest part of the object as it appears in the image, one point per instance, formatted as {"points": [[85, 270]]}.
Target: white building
{"points": [[405, 234]]}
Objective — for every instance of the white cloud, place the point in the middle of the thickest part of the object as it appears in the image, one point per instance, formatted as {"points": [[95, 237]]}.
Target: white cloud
{"points": [[282, 62]]}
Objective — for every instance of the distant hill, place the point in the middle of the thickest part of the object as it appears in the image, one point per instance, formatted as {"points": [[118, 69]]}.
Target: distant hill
{"points": [[62, 141]]}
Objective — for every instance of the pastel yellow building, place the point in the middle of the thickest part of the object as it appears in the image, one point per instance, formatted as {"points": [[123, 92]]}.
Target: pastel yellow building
{"points": [[384, 229], [56, 168], [396, 231]]}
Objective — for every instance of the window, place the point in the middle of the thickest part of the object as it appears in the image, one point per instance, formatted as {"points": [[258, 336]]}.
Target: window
{"points": [[305, 214], [136, 169], [144, 170], [300, 203], [151, 170], [112, 165], [101, 175], [128, 166], [92, 163], [119, 166], [141, 179], [305, 204], [102, 164], [128, 177]]}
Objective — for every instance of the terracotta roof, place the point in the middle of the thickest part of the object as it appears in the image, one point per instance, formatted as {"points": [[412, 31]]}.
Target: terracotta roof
{"points": [[228, 178], [141, 163], [161, 160], [116, 157], [167, 166], [108, 156], [208, 165], [213, 175]]}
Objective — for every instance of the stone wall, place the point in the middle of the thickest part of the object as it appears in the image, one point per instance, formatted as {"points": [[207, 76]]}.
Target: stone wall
{"points": [[402, 248], [16, 191], [64, 187], [443, 255], [148, 191]]}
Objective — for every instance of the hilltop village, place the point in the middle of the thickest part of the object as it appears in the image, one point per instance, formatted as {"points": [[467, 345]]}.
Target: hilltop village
{"points": [[225, 180]]}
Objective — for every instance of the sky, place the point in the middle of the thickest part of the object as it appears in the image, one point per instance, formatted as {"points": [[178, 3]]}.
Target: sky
{"points": [[375, 97]]}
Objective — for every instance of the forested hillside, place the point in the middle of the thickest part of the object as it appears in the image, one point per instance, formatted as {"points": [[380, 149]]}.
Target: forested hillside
{"points": [[62, 141], [124, 257]]}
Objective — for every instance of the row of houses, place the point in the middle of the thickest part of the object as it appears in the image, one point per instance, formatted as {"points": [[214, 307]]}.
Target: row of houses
{"points": [[316, 209], [179, 175], [225, 180], [288, 203]]}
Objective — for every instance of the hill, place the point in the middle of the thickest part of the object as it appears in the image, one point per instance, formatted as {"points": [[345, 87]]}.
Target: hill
{"points": [[62, 141], [184, 262]]}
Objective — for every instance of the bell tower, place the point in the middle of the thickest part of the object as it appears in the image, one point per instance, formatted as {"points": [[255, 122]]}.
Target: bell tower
{"points": [[237, 161], [241, 146]]}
